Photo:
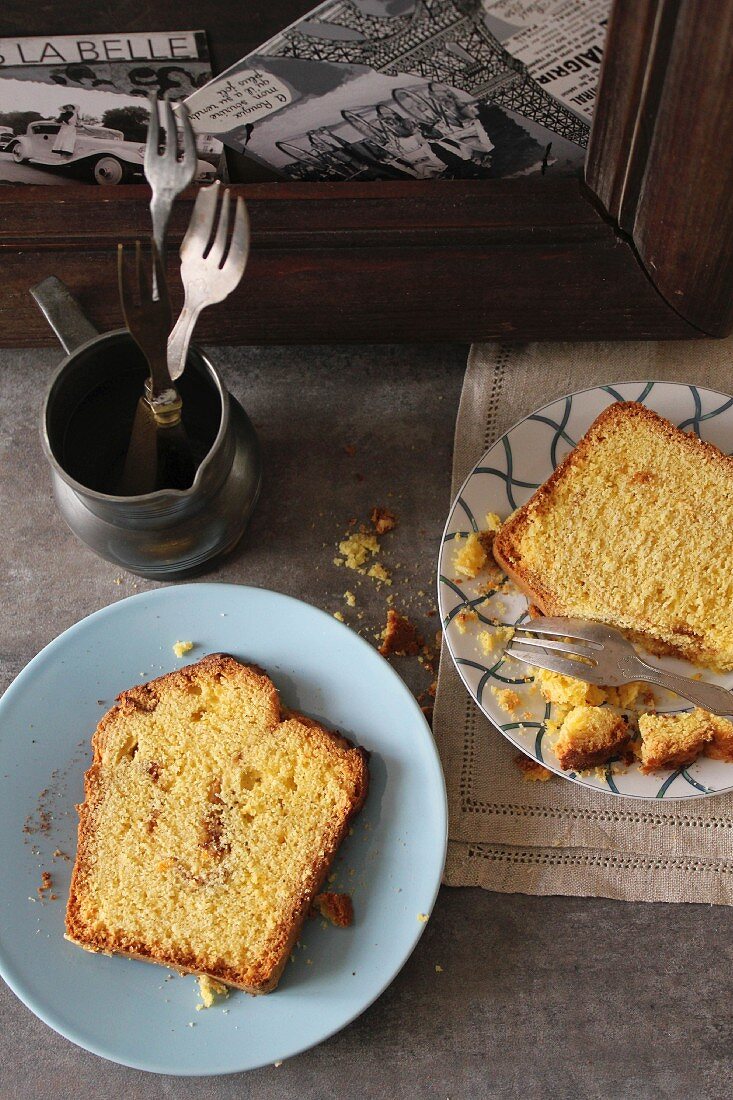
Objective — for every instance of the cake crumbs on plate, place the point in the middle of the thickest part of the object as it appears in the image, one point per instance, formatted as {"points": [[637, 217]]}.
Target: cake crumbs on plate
{"points": [[438, 968], [181, 648], [507, 699], [336, 908], [497, 638], [350, 598], [464, 617], [532, 770], [209, 990], [423, 917], [338, 615]]}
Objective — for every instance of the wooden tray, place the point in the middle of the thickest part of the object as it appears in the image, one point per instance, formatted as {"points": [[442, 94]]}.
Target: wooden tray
{"points": [[526, 259]]}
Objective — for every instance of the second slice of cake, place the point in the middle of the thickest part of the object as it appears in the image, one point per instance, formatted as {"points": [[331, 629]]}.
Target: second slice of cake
{"points": [[633, 529]]}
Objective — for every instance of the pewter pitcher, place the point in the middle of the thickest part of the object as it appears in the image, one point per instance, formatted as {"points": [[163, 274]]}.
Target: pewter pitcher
{"points": [[87, 419]]}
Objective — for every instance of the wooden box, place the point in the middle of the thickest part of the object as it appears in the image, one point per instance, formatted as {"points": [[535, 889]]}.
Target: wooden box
{"points": [[642, 248]]}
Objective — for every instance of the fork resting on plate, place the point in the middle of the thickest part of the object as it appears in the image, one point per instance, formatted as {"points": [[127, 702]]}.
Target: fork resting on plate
{"points": [[598, 654]]}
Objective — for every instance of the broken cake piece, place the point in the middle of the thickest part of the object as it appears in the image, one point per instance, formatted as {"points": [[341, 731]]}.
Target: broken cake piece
{"points": [[590, 736], [673, 740]]}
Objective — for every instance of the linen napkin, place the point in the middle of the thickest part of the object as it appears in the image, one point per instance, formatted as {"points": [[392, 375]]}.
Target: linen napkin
{"points": [[516, 836]]}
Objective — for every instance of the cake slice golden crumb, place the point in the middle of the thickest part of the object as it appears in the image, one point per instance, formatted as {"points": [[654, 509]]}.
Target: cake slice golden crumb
{"points": [[556, 688], [337, 908], [721, 745], [210, 990], [211, 817], [633, 529], [507, 698], [590, 736], [531, 770], [399, 636], [673, 740]]}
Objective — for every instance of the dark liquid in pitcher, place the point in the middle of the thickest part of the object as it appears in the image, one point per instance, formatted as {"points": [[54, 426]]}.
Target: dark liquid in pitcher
{"points": [[99, 428]]}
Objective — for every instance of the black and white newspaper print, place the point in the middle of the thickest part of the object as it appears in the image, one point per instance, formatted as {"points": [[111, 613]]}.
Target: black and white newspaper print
{"points": [[74, 108], [416, 89]]}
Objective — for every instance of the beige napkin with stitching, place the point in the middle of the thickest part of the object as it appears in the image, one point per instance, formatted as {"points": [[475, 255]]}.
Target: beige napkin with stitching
{"points": [[507, 833]]}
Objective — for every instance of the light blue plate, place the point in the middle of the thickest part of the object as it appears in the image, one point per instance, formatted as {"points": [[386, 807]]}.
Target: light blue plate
{"points": [[135, 1013]]}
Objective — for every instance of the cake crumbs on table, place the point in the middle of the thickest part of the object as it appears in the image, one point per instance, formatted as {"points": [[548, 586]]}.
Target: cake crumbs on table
{"points": [[180, 649], [383, 520], [400, 636], [531, 769]]}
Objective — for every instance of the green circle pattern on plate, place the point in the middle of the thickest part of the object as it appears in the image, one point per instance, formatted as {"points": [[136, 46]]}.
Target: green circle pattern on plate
{"points": [[504, 479]]}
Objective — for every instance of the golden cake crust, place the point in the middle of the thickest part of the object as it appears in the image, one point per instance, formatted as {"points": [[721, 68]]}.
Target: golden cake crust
{"points": [[262, 973]]}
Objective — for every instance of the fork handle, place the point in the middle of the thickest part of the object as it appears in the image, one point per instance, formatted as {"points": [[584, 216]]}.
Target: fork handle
{"points": [[710, 697], [180, 338]]}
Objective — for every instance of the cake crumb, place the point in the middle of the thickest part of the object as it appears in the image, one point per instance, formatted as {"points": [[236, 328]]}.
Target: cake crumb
{"points": [[383, 520], [357, 548], [438, 968], [497, 638], [181, 648], [532, 770], [350, 598], [423, 917], [209, 990], [464, 617], [337, 908], [507, 699], [46, 884], [380, 573], [339, 616], [493, 522], [470, 557], [399, 636]]}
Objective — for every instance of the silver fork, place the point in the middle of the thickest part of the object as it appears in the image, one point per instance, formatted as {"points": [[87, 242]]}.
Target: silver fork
{"points": [[599, 655], [165, 172], [209, 272]]}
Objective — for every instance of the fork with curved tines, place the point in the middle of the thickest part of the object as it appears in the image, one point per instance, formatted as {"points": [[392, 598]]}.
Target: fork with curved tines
{"points": [[210, 270], [599, 655], [166, 172], [159, 454]]}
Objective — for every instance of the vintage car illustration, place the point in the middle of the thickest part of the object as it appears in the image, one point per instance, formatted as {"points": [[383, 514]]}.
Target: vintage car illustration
{"points": [[100, 154]]}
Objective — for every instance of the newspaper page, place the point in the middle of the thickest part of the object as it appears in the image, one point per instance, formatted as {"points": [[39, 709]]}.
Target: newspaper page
{"points": [[74, 108], [416, 89]]}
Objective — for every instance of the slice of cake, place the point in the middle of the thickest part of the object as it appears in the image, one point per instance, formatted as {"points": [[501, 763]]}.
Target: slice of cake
{"points": [[673, 740], [590, 736], [210, 820], [634, 529]]}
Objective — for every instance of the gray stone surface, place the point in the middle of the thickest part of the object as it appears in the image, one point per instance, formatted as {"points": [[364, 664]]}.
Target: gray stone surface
{"points": [[539, 997]]}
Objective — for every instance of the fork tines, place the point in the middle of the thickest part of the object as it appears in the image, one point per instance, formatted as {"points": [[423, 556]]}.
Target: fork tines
{"points": [[176, 167], [556, 649]]}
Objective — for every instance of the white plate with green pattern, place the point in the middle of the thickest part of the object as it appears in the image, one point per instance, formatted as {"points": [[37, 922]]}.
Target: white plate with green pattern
{"points": [[501, 481]]}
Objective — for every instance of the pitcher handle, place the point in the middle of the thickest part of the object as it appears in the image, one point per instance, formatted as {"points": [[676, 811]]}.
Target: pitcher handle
{"points": [[63, 313]]}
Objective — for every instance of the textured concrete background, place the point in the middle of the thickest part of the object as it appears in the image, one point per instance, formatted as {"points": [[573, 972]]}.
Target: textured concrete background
{"points": [[539, 997]]}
